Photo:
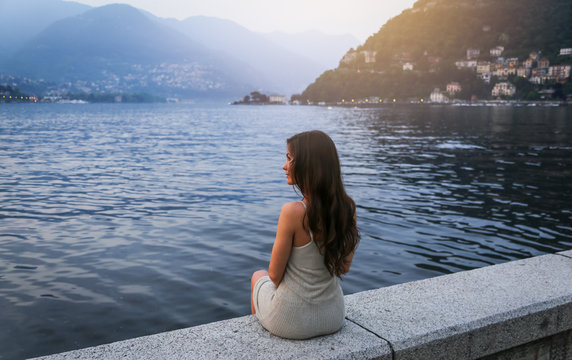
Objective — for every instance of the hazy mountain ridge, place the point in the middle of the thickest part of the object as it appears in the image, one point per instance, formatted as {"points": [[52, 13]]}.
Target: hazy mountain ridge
{"points": [[281, 68], [324, 50], [17, 19], [128, 53], [122, 49]]}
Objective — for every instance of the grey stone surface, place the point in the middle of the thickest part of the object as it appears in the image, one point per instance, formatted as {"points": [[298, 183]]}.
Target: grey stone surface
{"points": [[567, 253], [556, 347], [240, 338], [470, 314], [467, 315]]}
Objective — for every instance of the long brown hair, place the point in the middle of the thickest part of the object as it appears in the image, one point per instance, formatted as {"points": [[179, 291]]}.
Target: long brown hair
{"points": [[331, 212]]}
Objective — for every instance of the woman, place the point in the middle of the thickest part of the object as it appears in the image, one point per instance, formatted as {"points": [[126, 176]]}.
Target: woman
{"points": [[299, 297]]}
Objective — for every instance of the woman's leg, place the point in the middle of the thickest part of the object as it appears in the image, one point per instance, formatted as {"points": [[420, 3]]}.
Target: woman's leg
{"points": [[257, 275]]}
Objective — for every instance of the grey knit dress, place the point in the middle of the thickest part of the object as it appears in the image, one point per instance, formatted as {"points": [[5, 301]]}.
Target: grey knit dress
{"points": [[308, 302]]}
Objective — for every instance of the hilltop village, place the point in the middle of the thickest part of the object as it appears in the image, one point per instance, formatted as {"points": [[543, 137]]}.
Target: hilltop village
{"points": [[492, 68], [536, 69]]}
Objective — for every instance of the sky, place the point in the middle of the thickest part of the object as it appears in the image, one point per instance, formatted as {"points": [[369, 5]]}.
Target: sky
{"points": [[360, 18]]}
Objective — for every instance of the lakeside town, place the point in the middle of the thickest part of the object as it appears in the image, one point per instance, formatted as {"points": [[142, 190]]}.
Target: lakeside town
{"points": [[537, 77], [536, 69], [492, 68]]}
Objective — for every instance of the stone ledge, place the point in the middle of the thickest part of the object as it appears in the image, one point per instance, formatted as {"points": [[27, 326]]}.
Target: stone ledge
{"points": [[470, 314], [465, 315], [239, 338]]}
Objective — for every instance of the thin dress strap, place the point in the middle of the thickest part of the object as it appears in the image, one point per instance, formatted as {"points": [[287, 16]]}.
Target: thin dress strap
{"points": [[309, 231]]}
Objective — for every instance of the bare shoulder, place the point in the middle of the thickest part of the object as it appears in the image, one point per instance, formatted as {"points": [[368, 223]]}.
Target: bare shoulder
{"points": [[292, 211]]}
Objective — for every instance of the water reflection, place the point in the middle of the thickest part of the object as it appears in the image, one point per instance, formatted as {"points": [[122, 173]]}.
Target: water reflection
{"points": [[463, 188]]}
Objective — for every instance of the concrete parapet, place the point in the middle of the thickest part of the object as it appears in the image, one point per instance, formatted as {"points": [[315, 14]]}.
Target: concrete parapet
{"points": [[466, 315]]}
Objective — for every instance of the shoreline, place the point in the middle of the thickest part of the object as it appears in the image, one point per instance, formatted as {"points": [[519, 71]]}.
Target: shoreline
{"points": [[483, 103]]}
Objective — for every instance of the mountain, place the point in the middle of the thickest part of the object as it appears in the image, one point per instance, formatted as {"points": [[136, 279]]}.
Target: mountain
{"points": [[24, 19], [420, 49], [323, 49], [117, 48], [283, 70]]}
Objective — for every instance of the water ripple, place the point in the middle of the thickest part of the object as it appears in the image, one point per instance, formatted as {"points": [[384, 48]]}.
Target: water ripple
{"points": [[121, 221]]}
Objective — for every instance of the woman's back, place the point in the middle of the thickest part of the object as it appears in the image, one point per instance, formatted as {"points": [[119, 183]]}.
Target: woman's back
{"points": [[307, 276], [308, 302]]}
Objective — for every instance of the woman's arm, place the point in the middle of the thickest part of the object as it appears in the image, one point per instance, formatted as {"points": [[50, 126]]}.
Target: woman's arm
{"points": [[283, 242]]}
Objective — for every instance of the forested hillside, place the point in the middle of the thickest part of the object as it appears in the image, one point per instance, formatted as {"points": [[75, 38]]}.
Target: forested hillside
{"points": [[442, 41]]}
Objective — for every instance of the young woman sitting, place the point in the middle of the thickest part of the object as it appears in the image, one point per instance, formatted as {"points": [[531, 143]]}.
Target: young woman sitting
{"points": [[299, 297]]}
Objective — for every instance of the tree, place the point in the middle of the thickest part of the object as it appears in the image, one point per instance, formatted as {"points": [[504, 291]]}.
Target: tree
{"points": [[258, 97]]}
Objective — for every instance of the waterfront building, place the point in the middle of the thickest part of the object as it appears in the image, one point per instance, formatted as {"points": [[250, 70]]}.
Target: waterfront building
{"points": [[438, 97], [277, 99], [503, 89]]}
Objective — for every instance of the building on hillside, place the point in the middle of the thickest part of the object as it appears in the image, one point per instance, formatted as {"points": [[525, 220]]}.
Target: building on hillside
{"points": [[543, 63], [534, 55], [539, 71], [546, 94], [349, 57], [503, 89], [537, 80], [559, 72], [483, 67], [565, 51], [352, 55], [528, 63], [438, 97], [369, 56], [486, 77], [523, 72], [468, 64], [511, 62], [453, 87], [496, 51], [473, 54], [407, 66], [504, 72], [277, 99], [433, 62]]}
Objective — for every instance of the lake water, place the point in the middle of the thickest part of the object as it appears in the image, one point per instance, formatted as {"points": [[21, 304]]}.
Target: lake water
{"points": [[118, 221]]}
